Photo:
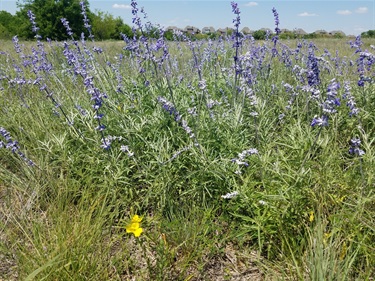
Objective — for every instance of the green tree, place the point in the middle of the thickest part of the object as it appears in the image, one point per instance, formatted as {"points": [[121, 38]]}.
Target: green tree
{"points": [[259, 34], [338, 36], [310, 36], [122, 28], [4, 32], [103, 25], [368, 34], [8, 27], [48, 15], [287, 35], [169, 35]]}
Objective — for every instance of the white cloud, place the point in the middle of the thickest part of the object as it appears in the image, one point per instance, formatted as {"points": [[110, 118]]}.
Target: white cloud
{"points": [[121, 6], [306, 14], [362, 10], [344, 12], [251, 4]]}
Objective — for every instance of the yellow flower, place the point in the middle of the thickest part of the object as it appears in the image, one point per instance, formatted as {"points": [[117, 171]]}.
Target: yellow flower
{"points": [[134, 226], [326, 236], [136, 219], [311, 217], [343, 251]]}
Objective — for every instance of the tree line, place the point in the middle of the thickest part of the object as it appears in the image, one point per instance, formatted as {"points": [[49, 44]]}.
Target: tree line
{"points": [[368, 34], [104, 26], [48, 15]]}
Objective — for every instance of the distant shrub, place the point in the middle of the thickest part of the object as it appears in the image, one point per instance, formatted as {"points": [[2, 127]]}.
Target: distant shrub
{"points": [[368, 34]]}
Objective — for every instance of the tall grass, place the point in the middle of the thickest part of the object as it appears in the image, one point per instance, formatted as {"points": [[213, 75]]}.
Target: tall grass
{"points": [[183, 128]]}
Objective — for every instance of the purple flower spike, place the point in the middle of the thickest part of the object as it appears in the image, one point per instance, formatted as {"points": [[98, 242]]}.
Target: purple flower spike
{"points": [[13, 146], [236, 11], [32, 20], [65, 23], [277, 22]]}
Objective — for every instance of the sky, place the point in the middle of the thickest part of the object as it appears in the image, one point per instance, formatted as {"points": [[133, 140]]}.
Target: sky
{"points": [[351, 16]]}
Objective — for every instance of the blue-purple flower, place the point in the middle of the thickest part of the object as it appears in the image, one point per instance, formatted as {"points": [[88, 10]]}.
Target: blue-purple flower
{"points": [[313, 73], [365, 62], [125, 148], [86, 21], [34, 28], [136, 19], [320, 121], [329, 105], [17, 47], [355, 143], [236, 11], [170, 108], [13, 146], [237, 38], [277, 22], [202, 84], [240, 160], [350, 100], [332, 101], [65, 23]]}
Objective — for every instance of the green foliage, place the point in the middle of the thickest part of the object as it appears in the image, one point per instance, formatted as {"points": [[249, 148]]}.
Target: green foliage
{"points": [[105, 27], [287, 35], [169, 35], [338, 36], [259, 34], [201, 36], [304, 207], [8, 27], [48, 18], [368, 34], [4, 32], [311, 36], [121, 28]]}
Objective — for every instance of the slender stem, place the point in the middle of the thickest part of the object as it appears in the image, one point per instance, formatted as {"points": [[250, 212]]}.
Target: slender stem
{"points": [[311, 148]]}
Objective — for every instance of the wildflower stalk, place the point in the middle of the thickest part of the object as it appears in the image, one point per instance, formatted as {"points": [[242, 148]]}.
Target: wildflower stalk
{"points": [[355, 150], [202, 99], [81, 69], [312, 147], [236, 45], [55, 103], [144, 38], [46, 66], [328, 108], [13, 146], [171, 109], [196, 64], [275, 39]]}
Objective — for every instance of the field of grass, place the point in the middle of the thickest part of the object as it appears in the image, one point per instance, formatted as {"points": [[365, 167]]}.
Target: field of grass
{"points": [[254, 168]]}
